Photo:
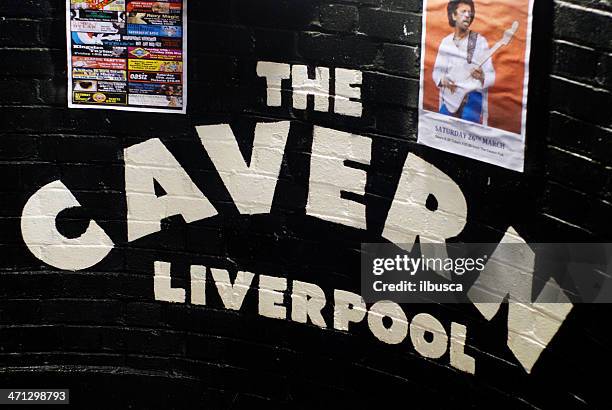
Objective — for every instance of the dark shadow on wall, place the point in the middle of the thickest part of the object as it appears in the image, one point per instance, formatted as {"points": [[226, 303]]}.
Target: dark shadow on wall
{"points": [[538, 107]]}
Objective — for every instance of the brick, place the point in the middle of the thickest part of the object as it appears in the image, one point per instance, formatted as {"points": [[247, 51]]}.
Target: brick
{"points": [[339, 17], [580, 137], [403, 5], [31, 8], [221, 39], [285, 14], [571, 98], [566, 57], [275, 44], [351, 51], [17, 33], [400, 59], [20, 92], [578, 172], [583, 26], [382, 89], [396, 122], [391, 26], [32, 62]]}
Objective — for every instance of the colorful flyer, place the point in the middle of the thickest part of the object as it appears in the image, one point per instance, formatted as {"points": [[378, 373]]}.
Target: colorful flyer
{"points": [[155, 78], [99, 62], [156, 65], [99, 98], [156, 89], [110, 5], [105, 86], [151, 18], [155, 53], [80, 50], [97, 15], [97, 26], [474, 79], [97, 74], [156, 100], [154, 30], [172, 7], [127, 55]]}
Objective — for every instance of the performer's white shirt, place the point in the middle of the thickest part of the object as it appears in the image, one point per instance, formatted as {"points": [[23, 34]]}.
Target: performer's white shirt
{"points": [[451, 54]]}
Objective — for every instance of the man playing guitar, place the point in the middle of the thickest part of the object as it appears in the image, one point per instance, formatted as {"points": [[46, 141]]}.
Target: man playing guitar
{"points": [[461, 47]]}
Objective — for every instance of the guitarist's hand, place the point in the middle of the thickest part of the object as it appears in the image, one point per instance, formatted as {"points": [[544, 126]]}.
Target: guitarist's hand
{"points": [[450, 85], [478, 74]]}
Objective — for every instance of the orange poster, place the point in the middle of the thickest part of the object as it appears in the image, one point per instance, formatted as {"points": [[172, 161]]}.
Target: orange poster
{"points": [[474, 75]]}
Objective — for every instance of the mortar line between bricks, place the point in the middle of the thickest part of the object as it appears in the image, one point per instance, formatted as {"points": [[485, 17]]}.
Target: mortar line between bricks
{"points": [[582, 121], [58, 107], [226, 365], [29, 49], [575, 154], [533, 406], [118, 355], [601, 90], [566, 222], [575, 191], [130, 371], [35, 20], [577, 398], [566, 42], [172, 331], [101, 369]]}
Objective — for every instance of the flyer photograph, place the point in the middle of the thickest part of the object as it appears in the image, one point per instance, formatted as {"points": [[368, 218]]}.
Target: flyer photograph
{"points": [[474, 79], [127, 55]]}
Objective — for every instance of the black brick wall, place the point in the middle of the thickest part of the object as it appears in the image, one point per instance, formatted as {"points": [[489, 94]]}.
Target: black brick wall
{"points": [[101, 332]]}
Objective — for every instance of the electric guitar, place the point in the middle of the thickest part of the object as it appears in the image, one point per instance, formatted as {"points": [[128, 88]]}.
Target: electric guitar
{"points": [[462, 75]]}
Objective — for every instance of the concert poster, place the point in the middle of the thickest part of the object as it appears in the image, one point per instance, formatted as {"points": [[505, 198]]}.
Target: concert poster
{"points": [[127, 55], [474, 79]]}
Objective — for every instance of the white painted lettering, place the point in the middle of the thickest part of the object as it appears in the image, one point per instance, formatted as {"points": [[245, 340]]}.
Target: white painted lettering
{"points": [[40, 234], [329, 176]]}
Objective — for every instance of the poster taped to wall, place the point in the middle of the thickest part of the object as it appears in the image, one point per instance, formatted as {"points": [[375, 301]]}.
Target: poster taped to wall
{"points": [[474, 78], [127, 55]]}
